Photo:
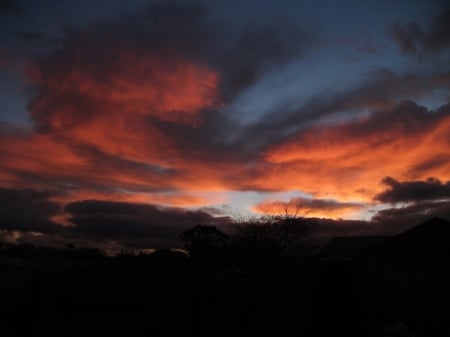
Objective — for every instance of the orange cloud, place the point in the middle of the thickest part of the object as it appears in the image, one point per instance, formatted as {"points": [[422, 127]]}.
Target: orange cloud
{"points": [[345, 162], [126, 130], [41, 161], [81, 171], [91, 110], [348, 161], [27, 156], [110, 107]]}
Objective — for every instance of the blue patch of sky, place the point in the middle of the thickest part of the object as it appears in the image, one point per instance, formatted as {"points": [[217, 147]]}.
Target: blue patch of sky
{"points": [[435, 99], [13, 106], [325, 72], [240, 203]]}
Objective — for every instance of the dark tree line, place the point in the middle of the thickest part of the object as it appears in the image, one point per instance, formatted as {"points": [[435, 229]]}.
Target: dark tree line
{"points": [[258, 242], [253, 243], [28, 251]]}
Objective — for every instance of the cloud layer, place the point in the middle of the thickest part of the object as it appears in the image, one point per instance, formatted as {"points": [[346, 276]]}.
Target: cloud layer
{"points": [[413, 38], [414, 191], [138, 127], [135, 225]]}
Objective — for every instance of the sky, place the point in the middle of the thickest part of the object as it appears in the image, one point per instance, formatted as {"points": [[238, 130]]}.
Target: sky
{"points": [[124, 123]]}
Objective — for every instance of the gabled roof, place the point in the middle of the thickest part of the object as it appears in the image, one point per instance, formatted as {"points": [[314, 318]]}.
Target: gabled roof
{"points": [[429, 239], [348, 246]]}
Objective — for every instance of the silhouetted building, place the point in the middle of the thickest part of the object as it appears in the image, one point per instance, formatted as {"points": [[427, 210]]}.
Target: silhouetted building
{"points": [[389, 283], [430, 239], [348, 247]]}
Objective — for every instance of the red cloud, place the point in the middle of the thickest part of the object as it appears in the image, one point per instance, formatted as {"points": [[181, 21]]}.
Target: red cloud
{"points": [[112, 104], [125, 119], [113, 107], [76, 91], [348, 161], [345, 162]]}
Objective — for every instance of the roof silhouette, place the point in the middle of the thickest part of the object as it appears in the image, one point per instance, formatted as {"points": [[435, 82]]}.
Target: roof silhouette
{"points": [[349, 246], [430, 239]]}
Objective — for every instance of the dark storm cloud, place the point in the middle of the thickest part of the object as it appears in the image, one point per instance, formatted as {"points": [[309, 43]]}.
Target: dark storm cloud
{"points": [[239, 53], [389, 221], [379, 94], [407, 191], [218, 138], [27, 210], [12, 8], [405, 117], [136, 225], [255, 51], [96, 223], [395, 220], [29, 36], [413, 38]]}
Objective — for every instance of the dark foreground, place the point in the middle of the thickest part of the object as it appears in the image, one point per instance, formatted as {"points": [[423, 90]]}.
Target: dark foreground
{"points": [[318, 297]]}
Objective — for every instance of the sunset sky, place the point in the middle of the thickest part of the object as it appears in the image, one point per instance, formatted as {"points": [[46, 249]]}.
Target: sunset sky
{"points": [[124, 123]]}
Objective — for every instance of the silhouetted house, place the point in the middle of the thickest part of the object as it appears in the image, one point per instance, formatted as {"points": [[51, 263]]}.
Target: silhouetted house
{"points": [[348, 247], [406, 275], [429, 240], [390, 285]]}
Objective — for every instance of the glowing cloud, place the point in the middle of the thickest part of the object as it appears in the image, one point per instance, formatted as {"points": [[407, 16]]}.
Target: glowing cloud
{"points": [[348, 161], [171, 89], [321, 208]]}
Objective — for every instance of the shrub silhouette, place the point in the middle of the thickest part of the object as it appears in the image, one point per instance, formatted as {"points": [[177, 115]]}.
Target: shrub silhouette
{"points": [[205, 244]]}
